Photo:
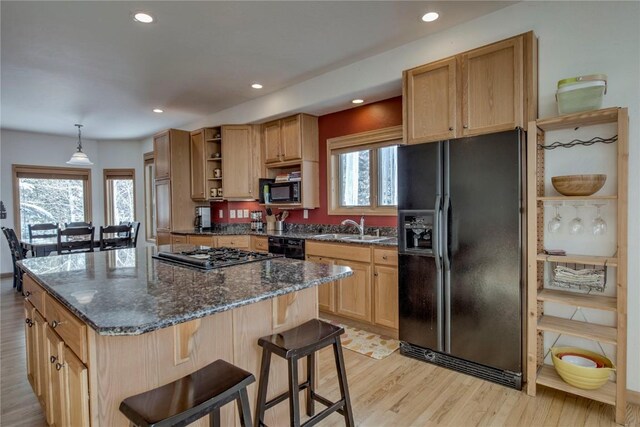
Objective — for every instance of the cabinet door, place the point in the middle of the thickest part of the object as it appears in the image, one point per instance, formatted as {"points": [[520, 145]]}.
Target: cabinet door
{"points": [[354, 292], [75, 401], [162, 155], [492, 97], [431, 102], [163, 238], [177, 239], [30, 345], [163, 205], [291, 134], [236, 162], [40, 356], [272, 138], [326, 292], [385, 296], [55, 387], [200, 240], [197, 150]]}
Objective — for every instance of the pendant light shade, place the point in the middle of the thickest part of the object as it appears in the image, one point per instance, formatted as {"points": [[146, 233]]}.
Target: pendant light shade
{"points": [[79, 158]]}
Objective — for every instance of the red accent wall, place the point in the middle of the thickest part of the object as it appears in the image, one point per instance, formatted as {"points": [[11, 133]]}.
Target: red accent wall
{"points": [[354, 120]]}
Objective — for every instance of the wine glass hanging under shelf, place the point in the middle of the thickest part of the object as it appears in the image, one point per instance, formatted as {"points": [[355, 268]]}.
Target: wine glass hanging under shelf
{"points": [[575, 142]]}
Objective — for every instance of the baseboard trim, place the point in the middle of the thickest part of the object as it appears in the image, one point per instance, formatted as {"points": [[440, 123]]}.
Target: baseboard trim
{"points": [[633, 397], [6, 275]]}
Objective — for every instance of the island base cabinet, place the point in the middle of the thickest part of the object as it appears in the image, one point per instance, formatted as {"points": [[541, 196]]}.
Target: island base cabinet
{"points": [[30, 346], [354, 292], [327, 292], [54, 347]]}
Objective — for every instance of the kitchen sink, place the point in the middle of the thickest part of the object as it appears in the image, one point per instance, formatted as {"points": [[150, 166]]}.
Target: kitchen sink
{"points": [[353, 238], [332, 236]]}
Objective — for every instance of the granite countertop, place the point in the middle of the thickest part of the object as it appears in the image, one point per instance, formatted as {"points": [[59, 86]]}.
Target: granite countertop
{"points": [[127, 292], [388, 241]]}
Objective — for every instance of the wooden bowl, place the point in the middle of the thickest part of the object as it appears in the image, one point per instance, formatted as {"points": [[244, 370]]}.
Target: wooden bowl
{"points": [[578, 185]]}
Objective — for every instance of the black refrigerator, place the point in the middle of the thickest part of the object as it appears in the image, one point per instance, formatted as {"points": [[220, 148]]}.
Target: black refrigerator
{"points": [[461, 241]]}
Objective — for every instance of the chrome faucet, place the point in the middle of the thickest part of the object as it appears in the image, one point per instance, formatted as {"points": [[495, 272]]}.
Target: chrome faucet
{"points": [[360, 226]]}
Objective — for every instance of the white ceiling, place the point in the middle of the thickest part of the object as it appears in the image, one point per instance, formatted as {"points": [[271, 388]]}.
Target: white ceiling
{"points": [[88, 62]]}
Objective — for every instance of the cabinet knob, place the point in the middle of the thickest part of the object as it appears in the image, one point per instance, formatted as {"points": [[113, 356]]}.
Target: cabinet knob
{"points": [[384, 257], [27, 294], [55, 324], [29, 322], [53, 359], [59, 366], [450, 127], [465, 126], [375, 274]]}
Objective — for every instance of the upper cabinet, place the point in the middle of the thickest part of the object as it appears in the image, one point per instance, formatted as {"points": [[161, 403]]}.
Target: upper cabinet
{"points": [[291, 139], [162, 154], [489, 89], [198, 162], [241, 159], [206, 158]]}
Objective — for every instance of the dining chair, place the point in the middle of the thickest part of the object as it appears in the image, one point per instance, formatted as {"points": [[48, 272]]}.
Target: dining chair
{"points": [[78, 224], [75, 239], [17, 254], [115, 237], [42, 227], [135, 228]]}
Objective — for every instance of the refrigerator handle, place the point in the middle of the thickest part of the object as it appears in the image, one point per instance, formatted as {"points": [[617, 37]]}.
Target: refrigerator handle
{"points": [[437, 244], [446, 255]]}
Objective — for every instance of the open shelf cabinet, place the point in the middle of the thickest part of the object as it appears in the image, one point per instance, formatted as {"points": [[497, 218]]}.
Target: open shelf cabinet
{"points": [[539, 323]]}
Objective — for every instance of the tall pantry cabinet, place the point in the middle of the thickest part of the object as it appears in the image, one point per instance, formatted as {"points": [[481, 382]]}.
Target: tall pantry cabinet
{"points": [[174, 207]]}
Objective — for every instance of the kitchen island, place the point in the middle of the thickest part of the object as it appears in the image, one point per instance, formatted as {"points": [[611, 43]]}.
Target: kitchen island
{"points": [[107, 325]]}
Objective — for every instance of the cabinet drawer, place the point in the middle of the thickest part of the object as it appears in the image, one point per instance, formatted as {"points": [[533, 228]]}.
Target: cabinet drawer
{"points": [[68, 326], [260, 244], [233, 241], [33, 292], [200, 240], [353, 252], [178, 239], [385, 256]]}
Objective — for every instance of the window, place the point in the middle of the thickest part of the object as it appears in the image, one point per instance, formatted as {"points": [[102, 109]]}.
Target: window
{"points": [[149, 197], [363, 172], [119, 195], [50, 195]]}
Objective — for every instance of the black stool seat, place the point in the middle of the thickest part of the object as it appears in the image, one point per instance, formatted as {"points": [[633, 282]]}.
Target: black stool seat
{"points": [[192, 397], [302, 340], [292, 345]]}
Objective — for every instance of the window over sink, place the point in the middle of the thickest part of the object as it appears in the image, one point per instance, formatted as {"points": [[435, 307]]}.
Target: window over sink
{"points": [[362, 172]]}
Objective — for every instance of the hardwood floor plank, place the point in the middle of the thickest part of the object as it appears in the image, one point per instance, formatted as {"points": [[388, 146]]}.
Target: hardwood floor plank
{"points": [[395, 391]]}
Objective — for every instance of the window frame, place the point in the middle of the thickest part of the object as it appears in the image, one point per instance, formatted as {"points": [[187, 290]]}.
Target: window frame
{"points": [[149, 205], [41, 172], [107, 174], [370, 140]]}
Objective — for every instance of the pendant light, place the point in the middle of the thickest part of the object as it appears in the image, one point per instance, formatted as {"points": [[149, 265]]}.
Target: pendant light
{"points": [[79, 158]]}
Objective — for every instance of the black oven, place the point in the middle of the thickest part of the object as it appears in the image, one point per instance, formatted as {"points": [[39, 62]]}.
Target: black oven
{"points": [[290, 248], [284, 192]]}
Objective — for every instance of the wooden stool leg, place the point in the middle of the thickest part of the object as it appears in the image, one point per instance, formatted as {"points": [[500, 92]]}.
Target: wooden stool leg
{"points": [[311, 378], [294, 393], [214, 418], [342, 380], [262, 387], [244, 410]]}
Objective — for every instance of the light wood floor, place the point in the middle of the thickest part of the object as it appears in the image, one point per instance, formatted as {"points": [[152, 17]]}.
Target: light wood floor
{"points": [[396, 391]]}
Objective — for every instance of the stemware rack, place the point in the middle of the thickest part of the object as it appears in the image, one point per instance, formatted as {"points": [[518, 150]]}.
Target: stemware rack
{"points": [[539, 323]]}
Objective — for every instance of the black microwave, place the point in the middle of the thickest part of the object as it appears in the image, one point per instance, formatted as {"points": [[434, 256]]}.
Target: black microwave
{"points": [[284, 192]]}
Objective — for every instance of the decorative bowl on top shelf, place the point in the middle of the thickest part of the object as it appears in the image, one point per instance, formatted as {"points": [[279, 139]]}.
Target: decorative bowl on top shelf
{"points": [[586, 378], [578, 185]]}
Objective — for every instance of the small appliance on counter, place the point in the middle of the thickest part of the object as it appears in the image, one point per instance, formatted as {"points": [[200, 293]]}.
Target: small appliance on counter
{"points": [[203, 217]]}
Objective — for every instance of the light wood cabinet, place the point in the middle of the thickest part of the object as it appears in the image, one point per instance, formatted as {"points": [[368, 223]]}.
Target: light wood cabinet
{"points": [[291, 139], [40, 357], [163, 205], [239, 242], [174, 206], [162, 155], [326, 292], [492, 96], [163, 238], [291, 134], [260, 243], [75, 377], [385, 285], [485, 90], [198, 165], [179, 239], [54, 348], [200, 240], [354, 292], [271, 135], [237, 162], [431, 103], [30, 345]]}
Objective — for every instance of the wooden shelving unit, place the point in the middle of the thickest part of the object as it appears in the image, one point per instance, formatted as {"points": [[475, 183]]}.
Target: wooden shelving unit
{"points": [[539, 323], [213, 142]]}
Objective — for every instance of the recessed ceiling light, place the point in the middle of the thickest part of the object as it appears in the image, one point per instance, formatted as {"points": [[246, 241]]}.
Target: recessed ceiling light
{"points": [[158, 110], [430, 16], [358, 101], [256, 86], [142, 17]]}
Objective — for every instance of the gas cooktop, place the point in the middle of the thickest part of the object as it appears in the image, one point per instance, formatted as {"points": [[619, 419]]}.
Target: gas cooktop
{"points": [[210, 258]]}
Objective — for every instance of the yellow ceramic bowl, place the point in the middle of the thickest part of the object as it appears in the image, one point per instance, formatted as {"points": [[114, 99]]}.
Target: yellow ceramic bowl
{"points": [[580, 376]]}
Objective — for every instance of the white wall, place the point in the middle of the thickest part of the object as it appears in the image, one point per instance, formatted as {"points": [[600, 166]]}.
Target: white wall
{"points": [[27, 148], [575, 38]]}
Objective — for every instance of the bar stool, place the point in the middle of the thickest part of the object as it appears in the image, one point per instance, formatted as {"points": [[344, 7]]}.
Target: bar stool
{"points": [[292, 345], [192, 397]]}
